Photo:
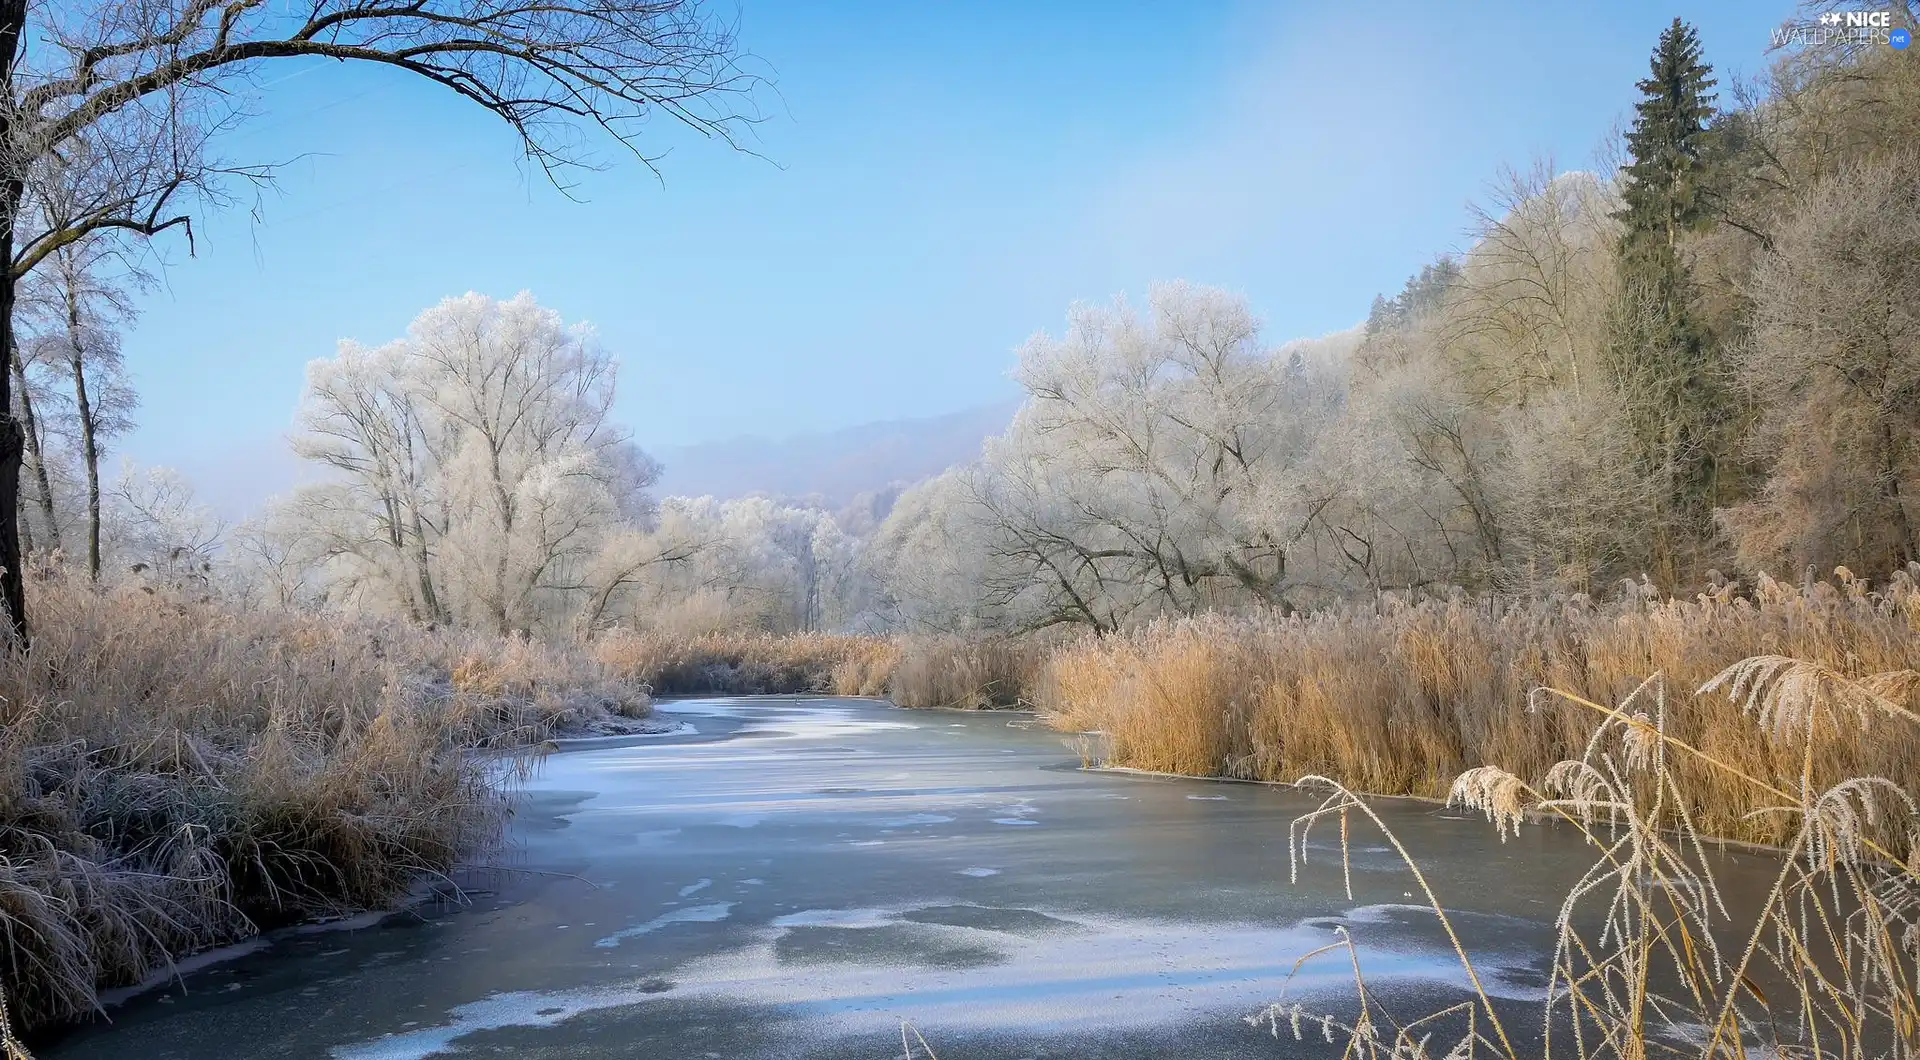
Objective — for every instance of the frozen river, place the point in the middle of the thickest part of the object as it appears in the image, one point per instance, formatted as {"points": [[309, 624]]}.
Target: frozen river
{"points": [[798, 877]]}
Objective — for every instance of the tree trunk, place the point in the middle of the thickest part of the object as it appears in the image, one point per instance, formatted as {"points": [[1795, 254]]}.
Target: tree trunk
{"points": [[89, 449], [13, 596], [36, 452], [1889, 476], [396, 541], [422, 565], [506, 536], [417, 525]]}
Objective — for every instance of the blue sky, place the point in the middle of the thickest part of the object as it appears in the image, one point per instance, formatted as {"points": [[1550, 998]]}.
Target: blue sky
{"points": [[939, 181]]}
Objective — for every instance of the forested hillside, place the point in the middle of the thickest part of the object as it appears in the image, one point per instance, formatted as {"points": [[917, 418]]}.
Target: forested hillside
{"points": [[1702, 366]]}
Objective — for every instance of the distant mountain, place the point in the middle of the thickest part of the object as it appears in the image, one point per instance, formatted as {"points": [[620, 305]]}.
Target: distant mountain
{"points": [[834, 467]]}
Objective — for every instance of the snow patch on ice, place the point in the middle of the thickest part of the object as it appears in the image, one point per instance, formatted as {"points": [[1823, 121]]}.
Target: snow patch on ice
{"points": [[693, 914], [836, 918], [521, 1008], [1093, 974], [918, 818]]}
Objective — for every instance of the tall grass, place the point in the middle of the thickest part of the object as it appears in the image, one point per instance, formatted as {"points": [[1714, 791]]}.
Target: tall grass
{"points": [[1399, 698], [1652, 959], [910, 671], [964, 673], [176, 775]]}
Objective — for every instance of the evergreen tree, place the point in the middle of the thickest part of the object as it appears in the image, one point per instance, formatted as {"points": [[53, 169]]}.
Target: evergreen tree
{"points": [[1421, 296], [1662, 186], [1668, 371]]}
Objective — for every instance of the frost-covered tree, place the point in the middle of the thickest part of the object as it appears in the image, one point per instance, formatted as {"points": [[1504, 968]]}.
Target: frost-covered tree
{"points": [[72, 311], [157, 528], [1834, 362], [929, 559], [476, 475], [1164, 462], [1495, 434], [119, 106], [531, 469], [378, 519], [36, 399], [750, 563]]}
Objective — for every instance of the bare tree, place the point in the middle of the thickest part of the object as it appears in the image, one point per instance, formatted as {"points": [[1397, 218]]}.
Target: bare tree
{"points": [[1527, 310], [1164, 463], [1835, 363], [361, 418], [123, 100], [29, 396], [76, 304]]}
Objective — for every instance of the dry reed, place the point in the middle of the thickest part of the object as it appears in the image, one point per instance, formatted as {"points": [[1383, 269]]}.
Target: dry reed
{"points": [[910, 671], [1651, 957], [1399, 698], [176, 775]]}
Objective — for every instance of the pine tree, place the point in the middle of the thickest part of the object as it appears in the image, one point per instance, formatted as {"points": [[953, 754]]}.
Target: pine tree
{"points": [[1668, 371], [1662, 186], [1421, 296]]}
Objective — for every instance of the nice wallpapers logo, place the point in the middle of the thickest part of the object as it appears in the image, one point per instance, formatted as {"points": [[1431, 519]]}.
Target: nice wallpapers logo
{"points": [[1845, 27]]}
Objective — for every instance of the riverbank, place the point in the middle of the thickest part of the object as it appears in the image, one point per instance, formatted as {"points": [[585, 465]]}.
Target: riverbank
{"points": [[798, 875], [1392, 697], [1401, 698], [806, 872], [909, 671], [178, 775]]}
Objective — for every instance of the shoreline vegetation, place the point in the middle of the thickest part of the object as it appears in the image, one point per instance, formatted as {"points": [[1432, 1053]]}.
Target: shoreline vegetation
{"points": [[1400, 698], [221, 771], [1397, 696], [177, 774]]}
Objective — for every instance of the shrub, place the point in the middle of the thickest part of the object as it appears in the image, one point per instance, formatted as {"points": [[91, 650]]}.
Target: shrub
{"points": [[176, 774]]}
